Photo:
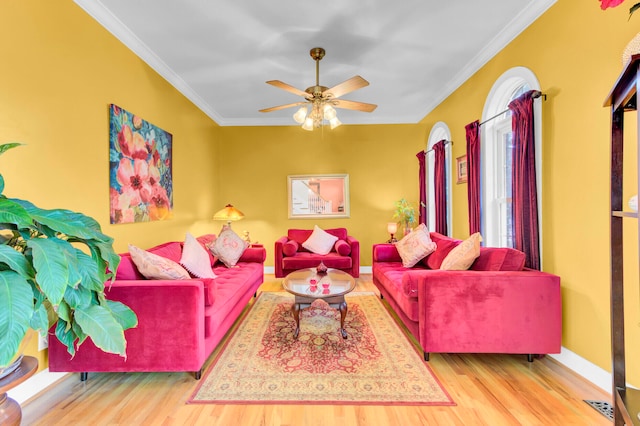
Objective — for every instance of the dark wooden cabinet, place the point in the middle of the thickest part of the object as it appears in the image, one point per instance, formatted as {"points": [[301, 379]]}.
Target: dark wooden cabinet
{"points": [[621, 100]]}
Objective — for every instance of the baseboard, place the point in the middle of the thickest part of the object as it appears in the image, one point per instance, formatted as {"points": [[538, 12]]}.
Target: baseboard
{"points": [[35, 385], [591, 372], [365, 270]]}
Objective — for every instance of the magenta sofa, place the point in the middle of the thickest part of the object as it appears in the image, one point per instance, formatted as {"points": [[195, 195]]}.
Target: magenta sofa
{"points": [[180, 322], [290, 255], [495, 307]]}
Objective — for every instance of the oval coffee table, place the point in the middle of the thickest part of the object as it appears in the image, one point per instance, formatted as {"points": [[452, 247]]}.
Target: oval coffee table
{"points": [[307, 286]]}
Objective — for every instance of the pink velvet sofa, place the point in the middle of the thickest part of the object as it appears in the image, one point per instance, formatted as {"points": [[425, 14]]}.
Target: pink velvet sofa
{"points": [[290, 255], [495, 307], [180, 322]]}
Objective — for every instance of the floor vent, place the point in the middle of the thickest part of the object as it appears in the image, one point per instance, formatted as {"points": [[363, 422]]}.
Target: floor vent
{"points": [[604, 408]]}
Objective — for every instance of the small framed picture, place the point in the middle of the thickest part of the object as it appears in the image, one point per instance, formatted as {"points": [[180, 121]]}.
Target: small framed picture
{"points": [[461, 169]]}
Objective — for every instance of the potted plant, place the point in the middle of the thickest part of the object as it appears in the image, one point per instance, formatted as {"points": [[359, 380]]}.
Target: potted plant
{"points": [[53, 269], [405, 214]]}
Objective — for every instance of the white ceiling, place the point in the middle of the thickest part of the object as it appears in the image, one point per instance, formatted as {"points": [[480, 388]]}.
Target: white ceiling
{"points": [[219, 53]]}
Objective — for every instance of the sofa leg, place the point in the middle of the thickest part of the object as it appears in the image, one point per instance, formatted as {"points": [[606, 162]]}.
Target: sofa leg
{"points": [[84, 376], [530, 357], [426, 356], [381, 296], [198, 374]]}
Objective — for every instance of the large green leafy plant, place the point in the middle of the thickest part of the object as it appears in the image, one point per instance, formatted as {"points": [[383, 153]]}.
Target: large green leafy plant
{"points": [[53, 269], [404, 212]]}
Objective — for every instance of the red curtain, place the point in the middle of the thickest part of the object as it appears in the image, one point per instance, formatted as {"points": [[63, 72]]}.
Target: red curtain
{"points": [[422, 208], [525, 195], [440, 187], [473, 175]]}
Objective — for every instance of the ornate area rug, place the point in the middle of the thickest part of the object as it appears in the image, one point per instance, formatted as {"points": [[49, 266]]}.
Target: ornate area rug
{"points": [[262, 363]]}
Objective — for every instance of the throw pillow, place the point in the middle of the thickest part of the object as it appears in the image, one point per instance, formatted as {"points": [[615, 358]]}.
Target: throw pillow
{"points": [[155, 267], [289, 248], [320, 241], [228, 247], [415, 246], [195, 258], [343, 248], [462, 257]]}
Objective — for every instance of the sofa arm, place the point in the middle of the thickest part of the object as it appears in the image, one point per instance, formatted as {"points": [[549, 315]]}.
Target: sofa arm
{"points": [[355, 256], [169, 335], [279, 255], [489, 311], [386, 253], [254, 253]]}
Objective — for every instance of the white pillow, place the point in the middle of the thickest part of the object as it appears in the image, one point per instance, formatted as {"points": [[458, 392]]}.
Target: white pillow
{"points": [[320, 241], [415, 246], [228, 247], [155, 267], [195, 258]]}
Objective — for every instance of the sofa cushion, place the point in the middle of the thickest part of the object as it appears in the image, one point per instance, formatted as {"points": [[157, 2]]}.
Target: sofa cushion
{"points": [[228, 247], [320, 241], [195, 258], [171, 250], [304, 259], [391, 277], [290, 248], [444, 245], [499, 259], [343, 248], [207, 240], [127, 269], [415, 246], [209, 291], [463, 255], [301, 235], [153, 266]]}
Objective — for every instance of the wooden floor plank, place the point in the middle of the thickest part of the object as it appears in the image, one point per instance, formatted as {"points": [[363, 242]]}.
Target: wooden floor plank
{"points": [[489, 389]]}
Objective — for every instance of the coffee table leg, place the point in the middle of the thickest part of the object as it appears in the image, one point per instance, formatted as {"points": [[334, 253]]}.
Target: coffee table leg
{"points": [[343, 314], [296, 315]]}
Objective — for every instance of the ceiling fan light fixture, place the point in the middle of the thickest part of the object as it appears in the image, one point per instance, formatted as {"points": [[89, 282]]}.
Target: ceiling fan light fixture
{"points": [[300, 115], [308, 124], [334, 122], [329, 112]]}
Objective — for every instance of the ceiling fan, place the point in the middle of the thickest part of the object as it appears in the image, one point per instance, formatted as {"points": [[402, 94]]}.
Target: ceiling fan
{"points": [[321, 99]]}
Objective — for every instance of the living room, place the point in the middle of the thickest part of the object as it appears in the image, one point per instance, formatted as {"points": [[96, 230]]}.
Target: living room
{"points": [[62, 70]]}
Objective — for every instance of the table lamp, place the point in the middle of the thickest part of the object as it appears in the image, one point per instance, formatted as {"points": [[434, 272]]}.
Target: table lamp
{"points": [[392, 228], [228, 213]]}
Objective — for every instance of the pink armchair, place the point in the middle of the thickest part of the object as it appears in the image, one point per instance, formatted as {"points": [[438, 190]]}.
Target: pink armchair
{"points": [[290, 255]]}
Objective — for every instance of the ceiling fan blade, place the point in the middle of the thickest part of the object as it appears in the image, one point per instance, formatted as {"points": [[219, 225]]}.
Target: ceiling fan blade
{"points": [[276, 108], [358, 106], [354, 83], [284, 86]]}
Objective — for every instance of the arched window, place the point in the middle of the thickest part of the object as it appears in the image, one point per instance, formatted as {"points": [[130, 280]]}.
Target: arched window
{"points": [[439, 131], [496, 148]]}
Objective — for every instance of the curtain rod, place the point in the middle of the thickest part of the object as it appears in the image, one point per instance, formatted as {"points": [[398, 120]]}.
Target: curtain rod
{"points": [[446, 142], [537, 94]]}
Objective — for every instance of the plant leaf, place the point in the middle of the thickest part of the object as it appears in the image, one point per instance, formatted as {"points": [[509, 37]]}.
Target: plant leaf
{"points": [[16, 309], [105, 332], [70, 223], [16, 261], [123, 314], [76, 297], [52, 271], [92, 279], [66, 336], [12, 212], [40, 319], [7, 146]]}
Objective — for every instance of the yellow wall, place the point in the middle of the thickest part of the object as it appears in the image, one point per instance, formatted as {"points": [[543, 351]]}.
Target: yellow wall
{"points": [[574, 49], [60, 71], [380, 160]]}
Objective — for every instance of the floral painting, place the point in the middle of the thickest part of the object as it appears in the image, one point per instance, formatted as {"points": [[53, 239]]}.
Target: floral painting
{"points": [[139, 169]]}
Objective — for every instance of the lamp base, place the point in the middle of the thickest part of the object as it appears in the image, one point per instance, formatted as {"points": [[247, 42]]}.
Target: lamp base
{"points": [[392, 240]]}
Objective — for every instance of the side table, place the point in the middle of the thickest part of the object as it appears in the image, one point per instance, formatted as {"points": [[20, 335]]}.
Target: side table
{"points": [[10, 411]]}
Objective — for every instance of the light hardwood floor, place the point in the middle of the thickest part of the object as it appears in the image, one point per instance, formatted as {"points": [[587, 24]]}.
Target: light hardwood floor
{"points": [[488, 389]]}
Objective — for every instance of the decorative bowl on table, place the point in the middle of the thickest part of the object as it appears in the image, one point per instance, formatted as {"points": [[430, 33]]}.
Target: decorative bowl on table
{"points": [[321, 268]]}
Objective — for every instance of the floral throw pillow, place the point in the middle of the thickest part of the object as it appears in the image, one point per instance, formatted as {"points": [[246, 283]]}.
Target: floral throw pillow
{"points": [[155, 267], [320, 241], [462, 257], [228, 247], [195, 258], [415, 246]]}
